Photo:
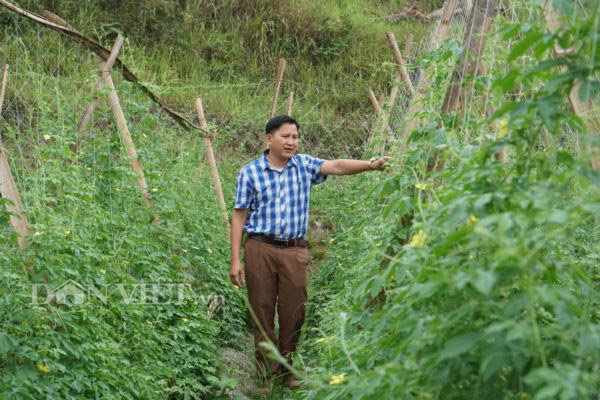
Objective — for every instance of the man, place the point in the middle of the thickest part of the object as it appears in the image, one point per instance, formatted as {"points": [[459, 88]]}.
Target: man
{"points": [[271, 207]]}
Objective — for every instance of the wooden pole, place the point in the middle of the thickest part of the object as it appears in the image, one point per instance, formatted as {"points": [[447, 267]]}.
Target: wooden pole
{"points": [[408, 45], [374, 102], [3, 87], [402, 71], [290, 104], [89, 110], [379, 114], [87, 115], [210, 155], [278, 79], [115, 105], [581, 108], [8, 188], [377, 108], [462, 82], [416, 104]]}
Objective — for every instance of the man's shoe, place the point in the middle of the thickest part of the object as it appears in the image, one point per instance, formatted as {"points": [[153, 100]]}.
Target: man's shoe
{"points": [[294, 383]]}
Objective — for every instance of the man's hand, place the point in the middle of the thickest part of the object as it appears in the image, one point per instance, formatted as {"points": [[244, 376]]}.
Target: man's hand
{"points": [[236, 274], [379, 164], [351, 167]]}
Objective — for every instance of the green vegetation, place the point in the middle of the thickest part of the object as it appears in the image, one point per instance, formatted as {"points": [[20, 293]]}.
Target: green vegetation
{"points": [[491, 285], [227, 52], [490, 288]]}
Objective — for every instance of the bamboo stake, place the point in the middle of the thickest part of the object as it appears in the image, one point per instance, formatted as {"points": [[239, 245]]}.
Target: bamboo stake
{"points": [[374, 102], [408, 45], [89, 110], [210, 155], [4, 82], [115, 105], [462, 84], [379, 114], [290, 104], [377, 108], [416, 104], [394, 91], [278, 79], [402, 71], [581, 108], [8, 188]]}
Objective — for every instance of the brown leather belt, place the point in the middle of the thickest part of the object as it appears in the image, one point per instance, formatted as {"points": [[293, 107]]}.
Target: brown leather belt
{"points": [[283, 243]]}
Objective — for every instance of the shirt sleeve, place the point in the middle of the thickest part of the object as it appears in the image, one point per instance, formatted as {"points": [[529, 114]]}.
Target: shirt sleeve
{"points": [[313, 167], [243, 197]]}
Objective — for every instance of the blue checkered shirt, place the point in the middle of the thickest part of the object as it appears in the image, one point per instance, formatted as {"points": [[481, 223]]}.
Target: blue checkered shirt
{"points": [[278, 201]]}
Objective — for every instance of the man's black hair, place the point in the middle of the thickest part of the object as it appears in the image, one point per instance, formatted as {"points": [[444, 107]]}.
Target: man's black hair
{"points": [[275, 123]]}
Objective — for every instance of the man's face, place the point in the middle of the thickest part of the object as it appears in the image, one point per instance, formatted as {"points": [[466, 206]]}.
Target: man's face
{"points": [[283, 142]]}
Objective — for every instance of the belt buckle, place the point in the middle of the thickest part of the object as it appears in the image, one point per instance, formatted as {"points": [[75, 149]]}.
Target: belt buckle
{"points": [[280, 243]]}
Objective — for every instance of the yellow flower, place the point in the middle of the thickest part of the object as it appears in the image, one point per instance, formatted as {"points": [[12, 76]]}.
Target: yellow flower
{"points": [[43, 368], [67, 232], [209, 250], [337, 379], [184, 319], [421, 186], [38, 233], [154, 190], [103, 271], [472, 220], [502, 128], [418, 240], [47, 137]]}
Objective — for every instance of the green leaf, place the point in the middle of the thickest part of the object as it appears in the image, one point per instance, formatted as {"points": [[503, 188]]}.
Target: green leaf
{"points": [[563, 7], [6, 343], [460, 344], [588, 89], [484, 282], [594, 208], [493, 363], [525, 44]]}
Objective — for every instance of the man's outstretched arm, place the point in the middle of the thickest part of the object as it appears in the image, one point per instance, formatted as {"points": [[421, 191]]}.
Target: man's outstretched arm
{"points": [[238, 219], [351, 167]]}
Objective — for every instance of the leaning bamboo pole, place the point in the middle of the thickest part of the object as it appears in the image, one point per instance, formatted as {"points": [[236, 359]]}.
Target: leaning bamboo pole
{"points": [[416, 103], [462, 83], [89, 110], [581, 108], [119, 116], [3, 87], [290, 104], [401, 64], [210, 155], [8, 188], [278, 79]]}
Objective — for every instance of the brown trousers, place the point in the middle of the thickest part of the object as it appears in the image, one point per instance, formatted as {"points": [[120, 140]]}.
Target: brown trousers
{"points": [[276, 277]]}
